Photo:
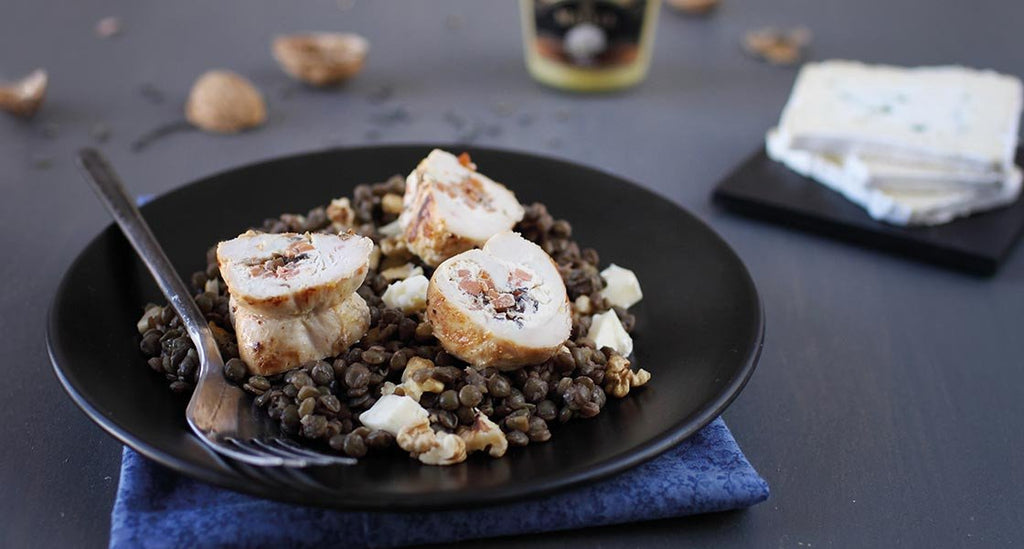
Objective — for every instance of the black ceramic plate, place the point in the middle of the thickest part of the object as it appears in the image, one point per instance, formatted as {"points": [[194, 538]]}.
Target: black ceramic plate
{"points": [[763, 188], [699, 329]]}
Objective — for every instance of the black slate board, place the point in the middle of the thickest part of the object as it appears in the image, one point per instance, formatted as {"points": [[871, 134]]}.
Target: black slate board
{"points": [[766, 189]]}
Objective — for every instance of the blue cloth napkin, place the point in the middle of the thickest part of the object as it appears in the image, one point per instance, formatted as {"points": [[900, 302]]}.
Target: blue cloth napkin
{"points": [[156, 507]]}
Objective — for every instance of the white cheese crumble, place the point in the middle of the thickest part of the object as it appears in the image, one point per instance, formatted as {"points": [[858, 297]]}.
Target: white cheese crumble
{"points": [[392, 413], [606, 331], [409, 295], [622, 287]]}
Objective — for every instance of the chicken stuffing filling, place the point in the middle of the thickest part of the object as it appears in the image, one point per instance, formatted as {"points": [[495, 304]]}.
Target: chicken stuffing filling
{"points": [[282, 264], [511, 303]]}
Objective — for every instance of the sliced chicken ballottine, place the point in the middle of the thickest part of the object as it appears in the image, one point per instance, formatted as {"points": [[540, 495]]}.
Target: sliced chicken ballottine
{"points": [[293, 296], [449, 207], [503, 306], [274, 344], [293, 273]]}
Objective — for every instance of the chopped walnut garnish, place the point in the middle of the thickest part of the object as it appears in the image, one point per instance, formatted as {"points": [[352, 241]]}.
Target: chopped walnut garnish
{"points": [[584, 305], [149, 319], [429, 447], [416, 438], [341, 214], [450, 449], [619, 378], [484, 434], [374, 260], [391, 203], [394, 246], [413, 388]]}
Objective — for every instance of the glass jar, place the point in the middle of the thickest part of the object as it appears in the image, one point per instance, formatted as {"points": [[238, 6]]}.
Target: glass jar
{"points": [[589, 45]]}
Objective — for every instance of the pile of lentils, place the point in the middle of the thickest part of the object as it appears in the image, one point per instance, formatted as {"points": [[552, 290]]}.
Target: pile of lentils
{"points": [[319, 402]]}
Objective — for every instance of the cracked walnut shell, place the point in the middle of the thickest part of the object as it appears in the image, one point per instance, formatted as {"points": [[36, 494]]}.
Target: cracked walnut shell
{"points": [[24, 97], [225, 102], [321, 59], [694, 7]]}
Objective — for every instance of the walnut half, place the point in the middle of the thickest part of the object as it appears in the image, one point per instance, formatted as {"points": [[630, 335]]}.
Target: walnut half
{"points": [[429, 447], [619, 378], [484, 434]]}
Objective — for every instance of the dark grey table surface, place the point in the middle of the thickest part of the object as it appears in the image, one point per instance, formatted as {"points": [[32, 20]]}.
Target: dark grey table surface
{"points": [[887, 407]]}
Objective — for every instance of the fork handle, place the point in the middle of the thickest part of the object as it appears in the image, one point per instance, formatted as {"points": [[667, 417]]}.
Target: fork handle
{"points": [[108, 187]]}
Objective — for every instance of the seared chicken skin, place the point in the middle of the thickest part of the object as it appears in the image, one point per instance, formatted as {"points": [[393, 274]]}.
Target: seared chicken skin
{"points": [[274, 344], [293, 273], [503, 306], [292, 296], [449, 207]]}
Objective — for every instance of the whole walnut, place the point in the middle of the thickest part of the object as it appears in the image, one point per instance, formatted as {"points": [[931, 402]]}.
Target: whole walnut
{"points": [[224, 102]]}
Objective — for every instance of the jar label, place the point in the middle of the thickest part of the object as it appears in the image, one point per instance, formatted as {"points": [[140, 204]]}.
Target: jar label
{"points": [[589, 33]]}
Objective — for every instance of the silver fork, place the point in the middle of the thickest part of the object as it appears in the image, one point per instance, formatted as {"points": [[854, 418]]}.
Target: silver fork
{"points": [[219, 413]]}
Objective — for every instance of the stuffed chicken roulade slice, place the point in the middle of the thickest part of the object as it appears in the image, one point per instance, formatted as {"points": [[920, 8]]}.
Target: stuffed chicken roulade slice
{"points": [[449, 207], [503, 306], [273, 344], [291, 273]]}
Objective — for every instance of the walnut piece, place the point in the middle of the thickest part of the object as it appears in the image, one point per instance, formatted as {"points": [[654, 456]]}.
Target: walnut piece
{"points": [[391, 203], [484, 434], [415, 389], [694, 7], [394, 246], [374, 261], [149, 319], [619, 378], [583, 305], [778, 47], [321, 59], [429, 447], [224, 102], [24, 97], [341, 214]]}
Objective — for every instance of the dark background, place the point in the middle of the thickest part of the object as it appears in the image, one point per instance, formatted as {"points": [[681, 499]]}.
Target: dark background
{"points": [[887, 408]]}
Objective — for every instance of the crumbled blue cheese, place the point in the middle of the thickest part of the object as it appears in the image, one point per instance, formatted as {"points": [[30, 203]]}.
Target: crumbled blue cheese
{"points": [[606, 331], [409, 295], [622, 289]]}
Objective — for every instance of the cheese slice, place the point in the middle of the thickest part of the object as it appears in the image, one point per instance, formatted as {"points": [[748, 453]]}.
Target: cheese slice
{"points": [[927, 205], [952, 116], [885, 174]]}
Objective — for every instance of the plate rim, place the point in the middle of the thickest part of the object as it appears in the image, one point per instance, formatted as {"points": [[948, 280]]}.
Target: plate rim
{"points": [[677, 433]]}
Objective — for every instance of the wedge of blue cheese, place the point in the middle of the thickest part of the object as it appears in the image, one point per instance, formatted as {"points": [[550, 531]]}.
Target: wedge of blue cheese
{"points": [[952, 115], [913, 146], [920, 205]]}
